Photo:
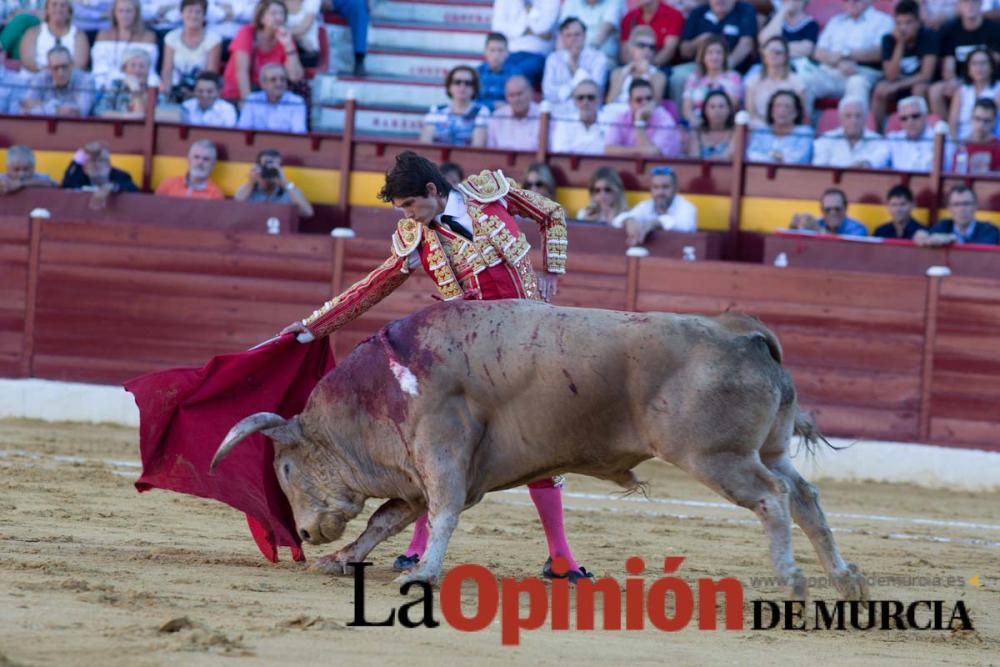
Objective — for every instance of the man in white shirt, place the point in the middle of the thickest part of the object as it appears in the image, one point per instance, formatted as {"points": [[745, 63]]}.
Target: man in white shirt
{"points": [[206, 108], [912, 148], [602, 18], [529, 26], [849, 51], [573, 63], [273, 109], [666, 210], [514, 126], [580, 131], [851, 144]]}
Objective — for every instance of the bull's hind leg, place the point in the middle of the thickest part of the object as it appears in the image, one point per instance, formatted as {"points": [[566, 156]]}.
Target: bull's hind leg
{"points": [[746, 482], [806, 510], [390, 518]]}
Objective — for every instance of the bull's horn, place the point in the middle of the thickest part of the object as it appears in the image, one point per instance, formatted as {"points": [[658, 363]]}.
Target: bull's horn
{"points": [[247, 426]]}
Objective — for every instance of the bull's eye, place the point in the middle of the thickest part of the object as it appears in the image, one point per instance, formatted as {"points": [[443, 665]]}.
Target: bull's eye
{"points": [[285, 470]]}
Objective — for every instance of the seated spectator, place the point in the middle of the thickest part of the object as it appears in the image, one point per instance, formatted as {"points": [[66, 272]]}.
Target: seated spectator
{"points": [[639, 67], [601, 18], [126, 32], [197, 182], [273, 109], [912, 148], [958, 38], [776, 74], [666, 210], [712, 138], [21, 172], [980, 81], [452, 173], [982, 146], [540, 179], [909, 59], [573, 63], [902, 226], [666, 23], [304, 23], [261, 43], [91, 171], [962, 227], [710, 74], [786, 139], [798, 29], [356, 14], [514, 127], [125, 96], [530, 30], [462, 121], [834, 220], [580, 131], [494, 71], [92, 16], [643, 129], [267, 183], [188, 51], [206, 107], [607, 197], [61, 90], [56, 29], [851, 144], [849, 51], [734, 20]]}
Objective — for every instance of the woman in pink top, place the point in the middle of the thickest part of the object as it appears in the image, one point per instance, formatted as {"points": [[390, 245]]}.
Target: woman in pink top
{"points": [[710, 74], [265, 41]]}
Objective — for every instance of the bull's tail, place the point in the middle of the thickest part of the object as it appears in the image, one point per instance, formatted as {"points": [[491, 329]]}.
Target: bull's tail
{"points": [[809, 434]]}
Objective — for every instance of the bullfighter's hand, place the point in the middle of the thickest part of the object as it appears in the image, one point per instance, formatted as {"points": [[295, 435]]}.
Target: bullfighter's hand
{"points": [[295, 327], [548, 285]]}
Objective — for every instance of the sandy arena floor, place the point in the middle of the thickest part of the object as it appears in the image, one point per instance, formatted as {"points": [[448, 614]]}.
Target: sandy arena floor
{"points": [[90, 571]]}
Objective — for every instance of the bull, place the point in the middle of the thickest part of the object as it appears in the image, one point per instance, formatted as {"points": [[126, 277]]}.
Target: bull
{"points": [[461, 399]]}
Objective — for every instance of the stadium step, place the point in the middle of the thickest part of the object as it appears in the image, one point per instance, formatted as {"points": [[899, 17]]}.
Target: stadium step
{"points": [[429, 38], [466, 13], [416, 64], [371, 121], [409, 93]]}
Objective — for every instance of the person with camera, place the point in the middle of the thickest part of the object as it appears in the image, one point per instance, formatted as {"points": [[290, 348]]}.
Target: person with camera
{"points": [[267, 183]]}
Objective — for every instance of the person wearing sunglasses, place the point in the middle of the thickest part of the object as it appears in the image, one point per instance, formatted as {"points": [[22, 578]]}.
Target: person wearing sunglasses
{"points": [[834, 220], [462, 121], [666, 23], [579, 131], [666, 210], [912, 148], [638, 66], [572, 63], [644, 129], [607, 197], [909, 59], [540, 180]]}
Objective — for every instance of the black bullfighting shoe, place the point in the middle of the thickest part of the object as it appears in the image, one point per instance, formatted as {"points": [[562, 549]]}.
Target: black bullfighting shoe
{"points": [[404, 562], [572, 575]]}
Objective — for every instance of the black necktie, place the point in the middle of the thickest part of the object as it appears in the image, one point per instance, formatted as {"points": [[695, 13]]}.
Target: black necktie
{"points": [[450, 222]]}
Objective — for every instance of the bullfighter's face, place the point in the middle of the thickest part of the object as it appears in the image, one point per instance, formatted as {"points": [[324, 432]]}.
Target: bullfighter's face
{"points": [[422, 209], [320, 504]]}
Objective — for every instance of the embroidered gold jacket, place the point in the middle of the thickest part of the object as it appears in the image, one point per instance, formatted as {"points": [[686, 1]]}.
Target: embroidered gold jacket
{"points": [[452, 261]]}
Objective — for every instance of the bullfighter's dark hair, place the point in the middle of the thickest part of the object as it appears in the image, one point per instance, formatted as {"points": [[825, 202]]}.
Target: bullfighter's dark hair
{"points": [[409, 178]]}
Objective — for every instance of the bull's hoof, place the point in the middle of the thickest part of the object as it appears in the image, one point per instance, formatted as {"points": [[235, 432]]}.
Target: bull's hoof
{"points": [[572, 575], [404, 562], [851, 583], [798, 585], [333, 564], [416, 575]]}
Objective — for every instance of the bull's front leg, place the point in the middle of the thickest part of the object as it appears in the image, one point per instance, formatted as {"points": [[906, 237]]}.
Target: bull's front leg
{"points": [[390, 518], [446, 499]]}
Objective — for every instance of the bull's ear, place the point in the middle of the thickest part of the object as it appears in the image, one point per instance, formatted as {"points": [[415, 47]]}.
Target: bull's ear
{"points": [[288, 433], [262, 421]]}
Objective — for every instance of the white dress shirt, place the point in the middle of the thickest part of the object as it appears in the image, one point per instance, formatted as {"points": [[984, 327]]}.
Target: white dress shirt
{"points": [[569, 135], [513, 134], [911, 154], [681, 215], [559, 82], [220, 114], [832, 149], [865, 32], [514, 19]]}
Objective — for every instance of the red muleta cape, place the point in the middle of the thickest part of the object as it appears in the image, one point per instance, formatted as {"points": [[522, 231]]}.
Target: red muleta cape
{"points": [[184, 413]]}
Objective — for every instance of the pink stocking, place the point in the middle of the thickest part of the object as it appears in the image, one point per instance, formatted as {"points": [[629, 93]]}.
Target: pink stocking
{"points": [[418, 543], [548, 501]]}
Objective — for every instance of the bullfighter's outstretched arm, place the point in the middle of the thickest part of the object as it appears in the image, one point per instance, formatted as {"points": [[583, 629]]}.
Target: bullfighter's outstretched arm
{"points": [[359, 297], [551, 219]]}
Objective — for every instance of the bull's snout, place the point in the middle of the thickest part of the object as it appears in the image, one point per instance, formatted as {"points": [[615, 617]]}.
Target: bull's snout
{"points": [[304, 534]]}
